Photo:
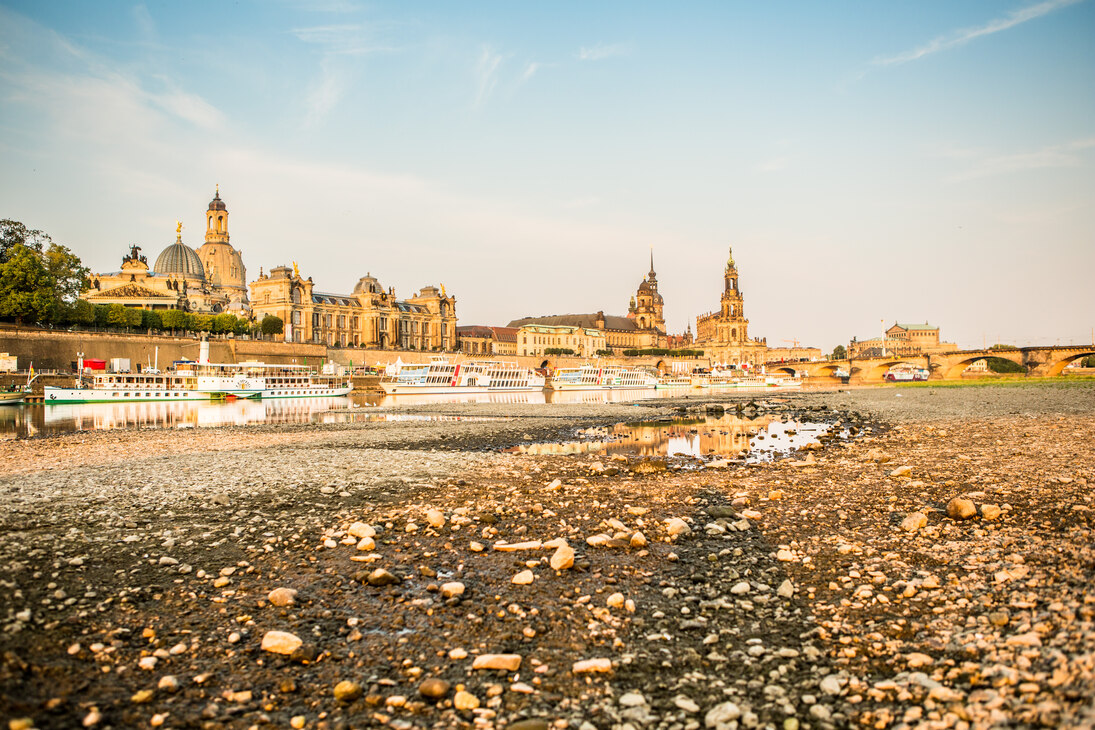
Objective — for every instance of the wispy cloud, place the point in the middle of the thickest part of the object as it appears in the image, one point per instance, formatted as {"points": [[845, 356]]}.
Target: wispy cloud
{"points": [[486, 73], [530, 71], [348, 39], [340, 46], [601, 51], [1068, 154], [965, 35]]}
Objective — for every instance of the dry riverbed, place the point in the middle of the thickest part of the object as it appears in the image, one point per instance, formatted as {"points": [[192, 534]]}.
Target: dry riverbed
{"points": [[931, 571]]}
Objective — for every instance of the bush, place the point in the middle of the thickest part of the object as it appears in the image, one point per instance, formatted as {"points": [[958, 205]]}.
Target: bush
{"points": [[133, 317], [558, 351], [1000, 365], [272, 325], [839, 353]]}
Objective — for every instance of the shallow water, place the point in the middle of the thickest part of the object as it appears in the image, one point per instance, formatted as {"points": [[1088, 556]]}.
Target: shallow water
{"points": [[704, 438]]}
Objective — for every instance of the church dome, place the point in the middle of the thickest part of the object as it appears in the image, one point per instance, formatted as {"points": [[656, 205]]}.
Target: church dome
{"points": [[368, 285], [216, 203], [178, 258]]}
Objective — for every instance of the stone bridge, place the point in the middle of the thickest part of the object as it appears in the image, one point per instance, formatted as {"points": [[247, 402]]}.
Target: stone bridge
{"points": [[1038, 362]]}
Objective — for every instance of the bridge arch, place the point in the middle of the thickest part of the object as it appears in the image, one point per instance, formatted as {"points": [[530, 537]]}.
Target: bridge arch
{"points": [[877, 370], [1057, 366], [661, 367], [548, 364], [955, 367], [785, 369]]}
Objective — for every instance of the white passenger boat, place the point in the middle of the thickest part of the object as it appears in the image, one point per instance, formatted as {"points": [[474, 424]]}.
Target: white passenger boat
{"points": [[201, 381], [674, 382], [603, 377], [440, 376]]}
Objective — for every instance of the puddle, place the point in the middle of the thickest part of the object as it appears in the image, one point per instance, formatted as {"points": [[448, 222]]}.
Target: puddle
{"points": [[705, 438], [352, 417]]}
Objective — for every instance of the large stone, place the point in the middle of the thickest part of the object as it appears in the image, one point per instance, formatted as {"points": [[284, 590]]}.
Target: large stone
{"points": [[961, 508], [515, 546], [506, 662], [990, 512], [360, 529], [901, 471], [677, 526], [282, 596], [347, 691], [436, 518], [563, 558], [452, 589], [280, 642], [434, 689], [381, 577], [914, 521], [599, 665], [523, 578], [465, 701], [720, 716]]}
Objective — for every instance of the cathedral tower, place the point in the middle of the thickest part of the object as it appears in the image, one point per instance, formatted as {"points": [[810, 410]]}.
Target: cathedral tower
{"points": [[733, 311], [223, 264], [648, 303]]}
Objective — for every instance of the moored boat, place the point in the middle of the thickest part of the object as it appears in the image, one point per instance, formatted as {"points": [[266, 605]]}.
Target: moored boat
{"points": [[606, 377], [440, 376]]}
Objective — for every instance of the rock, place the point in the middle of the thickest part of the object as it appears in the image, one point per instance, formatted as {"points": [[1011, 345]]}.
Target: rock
{"points": [[961, 508], [458, 653], [142, 696], [740, 588], [563, 558], [452, 589], [436, 518], [523, 578], [598, 540], [280, 642], [830, 684], [557, 484], [686, 704], [632, 699], [465, 701], [914, 521], [168, 683], [785, 556], [616, 600], [677, 526], [381, 577], [601, 665], [530, 724], [775, 494], [514, 547], [282, 596], [916, 659], [638, 540], [990, 512], [366, 543], [360, 529], [347, 691], [434, 689], [786, 589], [506, 662], [720, 716], [901, 471]]}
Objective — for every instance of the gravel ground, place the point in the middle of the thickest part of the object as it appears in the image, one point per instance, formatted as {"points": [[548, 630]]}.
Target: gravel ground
{"points": [[933, 571]]}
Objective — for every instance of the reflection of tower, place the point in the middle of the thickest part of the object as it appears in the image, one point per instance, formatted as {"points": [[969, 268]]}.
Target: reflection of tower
{"points": [[647, 305], [734, 324]]}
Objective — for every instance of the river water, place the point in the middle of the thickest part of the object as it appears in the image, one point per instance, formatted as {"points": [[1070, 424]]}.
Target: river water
{"points": [[27, 420]]}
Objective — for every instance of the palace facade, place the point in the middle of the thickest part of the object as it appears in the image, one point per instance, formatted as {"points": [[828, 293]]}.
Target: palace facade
{"points": [[724, 335], [481, 340], [210, 280], [642, 328], [902, 339], [367, 317]]}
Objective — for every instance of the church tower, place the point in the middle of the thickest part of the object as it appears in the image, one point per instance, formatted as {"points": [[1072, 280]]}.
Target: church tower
{"points": [[734, 324], [648, 303], [223, 264]]}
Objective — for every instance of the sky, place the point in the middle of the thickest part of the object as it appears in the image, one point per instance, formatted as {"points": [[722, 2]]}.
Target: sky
{"points": [[867, 162]]}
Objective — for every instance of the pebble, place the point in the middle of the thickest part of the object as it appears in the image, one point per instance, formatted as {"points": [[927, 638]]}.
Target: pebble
{"points": [[524, 578], [282, 596], [990, 512], [686, 704], [360, 529], [280, 642], [961, 508], [914, 521], [463, 700], [720, 716], [632, 699], [530, 724], [381, 577], [436, 518], [563, 558], [347, 691], [901, 471], [452, 589], [507, 662], [740, 588], [434, 689], [168, 683], [616, 600], [677, 526], [600, 665], [786, 589]]}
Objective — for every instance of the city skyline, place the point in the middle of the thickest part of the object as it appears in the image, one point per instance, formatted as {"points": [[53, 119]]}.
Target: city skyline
{"points": [[905, 162]]}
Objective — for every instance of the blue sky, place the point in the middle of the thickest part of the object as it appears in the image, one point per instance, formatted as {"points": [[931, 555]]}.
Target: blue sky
{"points": [[867, 161]]}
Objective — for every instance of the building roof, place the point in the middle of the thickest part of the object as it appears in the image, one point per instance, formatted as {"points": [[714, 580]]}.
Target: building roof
{"points": [[505, 334], [341, 300], [178, 258], [216, 203], [924, 326], [474, 330], [612, 321]]}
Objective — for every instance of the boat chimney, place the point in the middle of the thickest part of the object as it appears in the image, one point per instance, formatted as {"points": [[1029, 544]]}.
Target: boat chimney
{"points": [[203, 352], [79, 363]]}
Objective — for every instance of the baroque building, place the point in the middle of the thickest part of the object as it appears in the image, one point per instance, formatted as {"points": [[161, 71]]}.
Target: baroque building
{"points": [[367, 317], [480, 340], [642, 328], [902, 339], [724, 335], [178, 279]]}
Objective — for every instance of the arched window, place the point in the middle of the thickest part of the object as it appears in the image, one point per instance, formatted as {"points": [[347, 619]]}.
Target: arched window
{"points": [[734, 334]]}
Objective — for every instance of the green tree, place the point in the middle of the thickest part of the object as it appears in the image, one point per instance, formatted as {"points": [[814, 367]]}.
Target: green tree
{"points": [[14, 233], [839, 353], [202, 323], [224, 322], [83, 312], [27, 291], [133, 317], [102, 316], [66, 276], [242, 326], [174, 319], [272, 325], [70, 276], [117, 317], [151, 320]]}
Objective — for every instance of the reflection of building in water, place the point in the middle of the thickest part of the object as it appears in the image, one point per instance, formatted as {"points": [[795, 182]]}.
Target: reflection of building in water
{"points": [[726, 436]]}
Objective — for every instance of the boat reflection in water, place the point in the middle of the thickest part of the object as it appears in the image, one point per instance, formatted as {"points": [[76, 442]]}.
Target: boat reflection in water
{"points": [[727, 436]]}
